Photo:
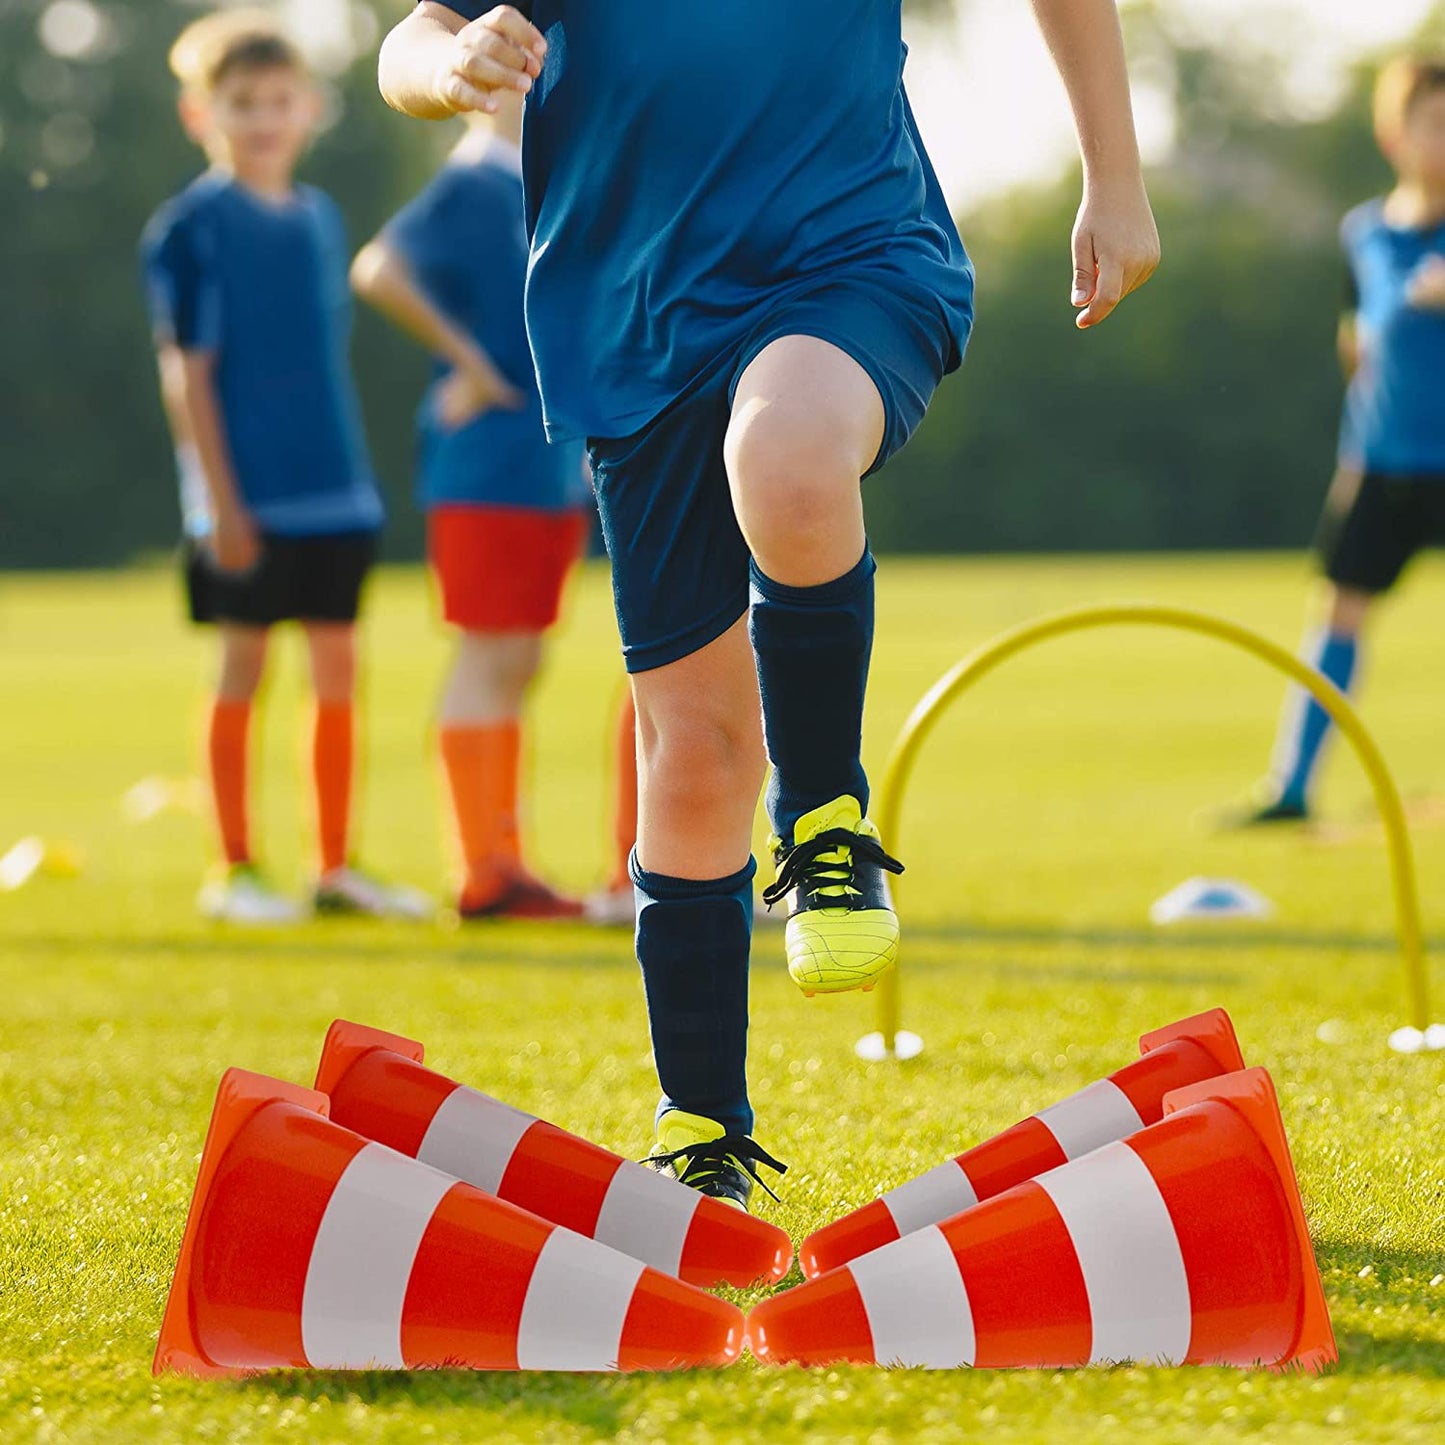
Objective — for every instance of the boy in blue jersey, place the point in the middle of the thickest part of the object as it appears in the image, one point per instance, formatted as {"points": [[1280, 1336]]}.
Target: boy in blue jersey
{"points": [[246, 278], [745, 287], [508, 516], [1387, 501]]}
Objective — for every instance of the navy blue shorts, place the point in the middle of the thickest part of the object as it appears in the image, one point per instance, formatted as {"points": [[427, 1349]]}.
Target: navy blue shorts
{"points": [[679, 561], [1373, 526]]}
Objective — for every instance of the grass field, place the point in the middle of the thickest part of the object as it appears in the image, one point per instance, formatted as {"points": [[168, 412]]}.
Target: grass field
{"points": [[1050, 811]]}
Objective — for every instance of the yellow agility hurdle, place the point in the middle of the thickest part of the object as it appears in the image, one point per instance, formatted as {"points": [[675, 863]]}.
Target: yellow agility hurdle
{"points": [[892, 1041]]}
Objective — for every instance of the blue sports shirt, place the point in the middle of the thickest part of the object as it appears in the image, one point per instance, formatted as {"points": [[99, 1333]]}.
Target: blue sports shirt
{"points": [[1394, 422], [691, 165], [465, 240], [263, 285]]}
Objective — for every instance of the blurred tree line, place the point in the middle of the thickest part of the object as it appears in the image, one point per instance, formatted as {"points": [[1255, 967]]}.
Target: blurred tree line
{"points": [[1203, 417]]}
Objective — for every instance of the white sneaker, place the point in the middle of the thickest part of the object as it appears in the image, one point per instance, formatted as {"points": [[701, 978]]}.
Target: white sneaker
{"points": [[611, 907], [350, 891], [242, 895]]}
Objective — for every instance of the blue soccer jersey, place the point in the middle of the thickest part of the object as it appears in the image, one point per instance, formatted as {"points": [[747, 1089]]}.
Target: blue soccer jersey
{"points": [[691, 165], [263, 287], [465, 240], [1394, 422]]}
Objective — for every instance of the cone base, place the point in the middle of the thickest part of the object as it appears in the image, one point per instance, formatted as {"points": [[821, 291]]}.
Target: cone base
{"points": [[1251, 1093], [346, 1042], [1212, 1030], [240, 1096]]}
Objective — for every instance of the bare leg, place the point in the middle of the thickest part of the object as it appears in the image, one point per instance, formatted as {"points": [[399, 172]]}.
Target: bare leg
{"points": [[701, 760], [807, 423], [490, 677]]}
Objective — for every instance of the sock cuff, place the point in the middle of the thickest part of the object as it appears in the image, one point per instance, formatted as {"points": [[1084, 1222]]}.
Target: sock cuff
{"points": [[325, 710], [235, 707], [662, 888], [826, 594]]}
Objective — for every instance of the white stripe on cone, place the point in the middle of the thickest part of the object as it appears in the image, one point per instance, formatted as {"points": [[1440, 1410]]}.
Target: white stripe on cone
{"points": [[1129, 1254], [917, 1307], [474, 1137], [576, 1306], [1091, 1118], [939, 1194], [649, 1223], [361, 1261]]}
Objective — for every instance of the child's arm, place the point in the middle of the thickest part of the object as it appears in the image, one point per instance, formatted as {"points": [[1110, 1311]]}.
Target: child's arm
{"points": [[1115, 243], [382, 277], [189, 388], [1347, 344], [435, 64]]}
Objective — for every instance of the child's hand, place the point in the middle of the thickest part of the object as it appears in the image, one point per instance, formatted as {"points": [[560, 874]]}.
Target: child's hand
{"points": [[235, 543], [1426, 288], [1116, 249], [501, 51], [467, 394]]}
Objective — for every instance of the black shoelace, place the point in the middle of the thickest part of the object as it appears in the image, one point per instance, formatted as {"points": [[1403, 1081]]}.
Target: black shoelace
{"points": [[708, 1160], [805, 861]]}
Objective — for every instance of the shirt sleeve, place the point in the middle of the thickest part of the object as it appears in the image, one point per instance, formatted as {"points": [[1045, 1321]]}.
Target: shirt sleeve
{"points": [[1350, 229], [475, 9], [181, 291], [423, 232]]}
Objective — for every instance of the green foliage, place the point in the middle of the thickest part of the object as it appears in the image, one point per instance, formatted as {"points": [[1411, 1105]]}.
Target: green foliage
{"points": [[1048, 811]]}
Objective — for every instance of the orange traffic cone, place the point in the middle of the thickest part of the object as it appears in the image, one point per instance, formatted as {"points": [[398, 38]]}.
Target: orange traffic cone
{"points": [[1185, 1243], [379, 1088], [1196, 1048], [307, 1245]]}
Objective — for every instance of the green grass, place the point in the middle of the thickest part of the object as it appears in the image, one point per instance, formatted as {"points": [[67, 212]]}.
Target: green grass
{"points": [[1049, 812]]}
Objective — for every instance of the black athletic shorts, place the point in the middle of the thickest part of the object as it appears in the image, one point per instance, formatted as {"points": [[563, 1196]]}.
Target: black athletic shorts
{"points": [[301, 579], [1373, 525]]}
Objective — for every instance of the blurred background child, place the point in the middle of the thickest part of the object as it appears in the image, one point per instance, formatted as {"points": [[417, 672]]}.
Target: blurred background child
{"points": [[508, 516], [1387, 501], [246, 278]]}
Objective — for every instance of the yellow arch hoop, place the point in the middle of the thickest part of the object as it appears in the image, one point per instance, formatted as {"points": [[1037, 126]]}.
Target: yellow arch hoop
{"points": [[889, 1040]]}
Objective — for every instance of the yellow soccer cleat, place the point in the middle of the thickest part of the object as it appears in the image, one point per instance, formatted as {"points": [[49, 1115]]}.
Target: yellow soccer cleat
{"points": [[842, 930], [698, 1152]]}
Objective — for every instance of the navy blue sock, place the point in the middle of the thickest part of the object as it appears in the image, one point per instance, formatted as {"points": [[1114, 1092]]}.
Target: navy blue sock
{"points": [[1335, 654], [693, 942], [813, 647]]}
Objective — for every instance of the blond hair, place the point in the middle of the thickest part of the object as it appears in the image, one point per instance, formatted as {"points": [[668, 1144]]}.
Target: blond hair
{"points": [[1400, 86], [217, 45]]}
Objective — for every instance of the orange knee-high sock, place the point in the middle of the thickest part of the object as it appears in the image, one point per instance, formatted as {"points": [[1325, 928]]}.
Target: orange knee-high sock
{"points": [[229, 730], [483, 764], [332, 752], [624, 803]]}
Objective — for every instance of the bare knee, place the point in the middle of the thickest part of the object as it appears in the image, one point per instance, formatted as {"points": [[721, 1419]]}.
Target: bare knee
{"points": [[786, 468], [701, 763], [796, 493], [1346, 609], [243, 662], [333, 660], [490, 677]]}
